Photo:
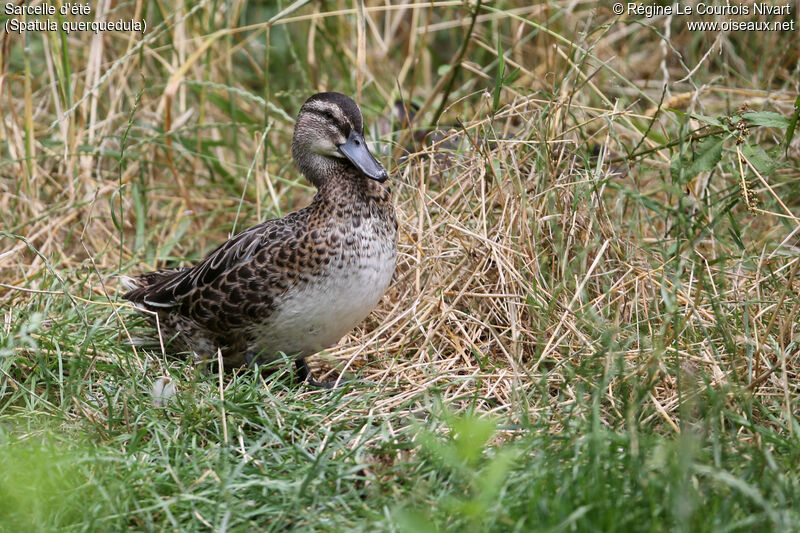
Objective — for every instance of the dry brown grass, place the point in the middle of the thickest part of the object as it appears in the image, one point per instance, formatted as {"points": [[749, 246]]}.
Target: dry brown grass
{"points": [[523, 260]]}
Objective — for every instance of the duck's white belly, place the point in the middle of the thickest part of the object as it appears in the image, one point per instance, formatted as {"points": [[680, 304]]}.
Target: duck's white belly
{"points": [[320, 313]]}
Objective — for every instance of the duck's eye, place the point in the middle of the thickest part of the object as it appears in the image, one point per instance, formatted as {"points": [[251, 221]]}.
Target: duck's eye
{"points": [[328, 115]]}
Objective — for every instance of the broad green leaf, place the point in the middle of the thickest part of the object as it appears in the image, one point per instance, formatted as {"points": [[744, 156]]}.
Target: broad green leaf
{"points": [[703, 158], [707, 155], [766, 118], [758, 158]]}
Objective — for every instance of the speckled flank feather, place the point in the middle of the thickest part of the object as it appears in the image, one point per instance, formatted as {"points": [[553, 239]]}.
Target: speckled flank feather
{"points": [[294, 285]]}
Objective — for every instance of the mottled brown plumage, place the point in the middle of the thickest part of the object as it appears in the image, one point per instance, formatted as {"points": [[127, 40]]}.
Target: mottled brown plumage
{"points": [[299, 283]]}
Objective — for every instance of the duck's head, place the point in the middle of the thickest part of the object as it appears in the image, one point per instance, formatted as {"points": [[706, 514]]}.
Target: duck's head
{"points": [[329, 136]]}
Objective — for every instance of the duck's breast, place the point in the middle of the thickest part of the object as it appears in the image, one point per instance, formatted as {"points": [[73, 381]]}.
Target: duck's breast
{"points": [[317, 313]]}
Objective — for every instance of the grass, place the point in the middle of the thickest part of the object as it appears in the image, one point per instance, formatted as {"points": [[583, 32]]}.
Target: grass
{"points": [[594, 322]]}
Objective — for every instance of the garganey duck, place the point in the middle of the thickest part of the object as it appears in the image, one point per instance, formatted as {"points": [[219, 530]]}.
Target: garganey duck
{"points": [[296, 284]]}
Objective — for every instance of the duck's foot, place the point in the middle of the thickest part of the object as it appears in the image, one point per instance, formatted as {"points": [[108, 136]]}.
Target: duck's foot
{"points": [[303, 375]]}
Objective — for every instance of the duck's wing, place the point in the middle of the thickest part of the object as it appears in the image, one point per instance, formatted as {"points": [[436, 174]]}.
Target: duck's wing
{"points": [[225, 269]]}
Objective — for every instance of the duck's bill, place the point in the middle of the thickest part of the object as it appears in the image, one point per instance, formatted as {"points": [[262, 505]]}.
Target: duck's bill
{"points": [[355, 149]]}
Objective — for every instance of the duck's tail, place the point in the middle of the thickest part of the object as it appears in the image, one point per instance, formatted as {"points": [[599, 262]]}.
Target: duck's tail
{"points": [[148, 291]]}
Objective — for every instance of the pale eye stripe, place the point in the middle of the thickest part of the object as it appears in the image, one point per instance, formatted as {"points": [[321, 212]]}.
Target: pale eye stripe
{"points": [[321, 107], [339, 120]]}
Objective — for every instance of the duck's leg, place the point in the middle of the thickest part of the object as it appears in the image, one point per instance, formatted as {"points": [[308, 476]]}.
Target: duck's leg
{"points": [[304, 375], [303, 372]]}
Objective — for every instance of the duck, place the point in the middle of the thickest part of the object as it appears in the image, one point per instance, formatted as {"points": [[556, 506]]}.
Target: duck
{"points": [[295, 285]]}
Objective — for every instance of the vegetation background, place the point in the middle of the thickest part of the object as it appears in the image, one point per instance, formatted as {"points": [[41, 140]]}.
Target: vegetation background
{"points": [[594, 324]]}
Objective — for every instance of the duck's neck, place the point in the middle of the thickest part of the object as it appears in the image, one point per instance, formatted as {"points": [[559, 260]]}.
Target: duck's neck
{"points": [[343, 183]]}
